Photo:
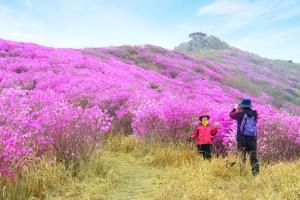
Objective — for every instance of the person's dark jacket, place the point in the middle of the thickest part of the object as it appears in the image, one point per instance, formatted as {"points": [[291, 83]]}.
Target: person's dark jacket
{"points": [[238, 115]]}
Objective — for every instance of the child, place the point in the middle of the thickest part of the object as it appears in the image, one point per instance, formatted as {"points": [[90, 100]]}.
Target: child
{"points": [[203, 133]]}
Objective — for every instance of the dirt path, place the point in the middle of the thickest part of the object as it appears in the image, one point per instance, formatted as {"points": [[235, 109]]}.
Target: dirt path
{"points": [[137, 180]]}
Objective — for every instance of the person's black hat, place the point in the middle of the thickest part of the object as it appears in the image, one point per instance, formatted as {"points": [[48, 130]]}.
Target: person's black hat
{"points": [[246, 103]]}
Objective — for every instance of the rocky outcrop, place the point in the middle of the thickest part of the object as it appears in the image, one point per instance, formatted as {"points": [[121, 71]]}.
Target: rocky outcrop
{"points": [[197, 35], [201, 41]]}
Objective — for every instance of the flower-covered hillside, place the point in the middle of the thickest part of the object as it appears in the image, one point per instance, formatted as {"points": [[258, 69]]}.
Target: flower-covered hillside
{"points": [[58, 102]]}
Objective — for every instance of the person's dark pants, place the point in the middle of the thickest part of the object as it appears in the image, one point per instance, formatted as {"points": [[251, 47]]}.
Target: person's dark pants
{"points": [[205, 150], [247, 145]]}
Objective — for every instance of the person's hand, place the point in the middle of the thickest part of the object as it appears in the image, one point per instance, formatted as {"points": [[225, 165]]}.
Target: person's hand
{"points": [[236, 106], [216, 125]]}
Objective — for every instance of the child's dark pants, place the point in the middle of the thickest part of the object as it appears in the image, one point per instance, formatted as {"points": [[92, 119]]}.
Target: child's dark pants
{"points": [[205, 150]]}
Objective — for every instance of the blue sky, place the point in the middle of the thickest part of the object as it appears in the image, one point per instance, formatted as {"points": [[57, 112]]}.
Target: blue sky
{"points": [[270, 28]]}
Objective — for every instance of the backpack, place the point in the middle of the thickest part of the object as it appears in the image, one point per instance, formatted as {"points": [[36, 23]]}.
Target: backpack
{"points": [[248, 126]]}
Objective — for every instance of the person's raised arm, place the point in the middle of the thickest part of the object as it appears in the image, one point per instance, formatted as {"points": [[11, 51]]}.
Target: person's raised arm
{"points": [[234, 112]]}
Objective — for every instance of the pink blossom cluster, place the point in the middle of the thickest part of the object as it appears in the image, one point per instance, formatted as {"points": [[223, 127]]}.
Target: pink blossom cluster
{"points": [[37, 123]]}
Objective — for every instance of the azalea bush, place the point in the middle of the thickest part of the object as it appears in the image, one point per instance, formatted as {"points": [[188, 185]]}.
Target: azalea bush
{"points": [[169, 117], [279, 135], [37, 123]]}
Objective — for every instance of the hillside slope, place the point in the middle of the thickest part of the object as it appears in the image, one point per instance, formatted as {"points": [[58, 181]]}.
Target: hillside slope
{"points": [[142, 90], [249, 72], [59, 107]]}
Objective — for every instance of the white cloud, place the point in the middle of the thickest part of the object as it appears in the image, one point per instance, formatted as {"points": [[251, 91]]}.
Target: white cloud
{"points": [[220, 7], [248, 9], [237, 13]]}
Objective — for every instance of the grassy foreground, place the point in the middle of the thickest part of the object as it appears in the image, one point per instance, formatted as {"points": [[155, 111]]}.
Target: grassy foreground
{"points": [[127, 169]]}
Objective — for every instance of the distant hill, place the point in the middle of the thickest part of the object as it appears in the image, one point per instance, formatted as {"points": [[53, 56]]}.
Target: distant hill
{"points": [[248, 72]]}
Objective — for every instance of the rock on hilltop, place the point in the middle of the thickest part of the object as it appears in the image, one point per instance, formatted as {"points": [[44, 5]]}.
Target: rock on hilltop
{"points": [[201, 41]]}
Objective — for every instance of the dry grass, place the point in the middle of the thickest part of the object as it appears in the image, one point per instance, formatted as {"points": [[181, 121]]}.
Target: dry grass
{"points": [[84, 180], [130, 169], [188, 176], [214, 181]]}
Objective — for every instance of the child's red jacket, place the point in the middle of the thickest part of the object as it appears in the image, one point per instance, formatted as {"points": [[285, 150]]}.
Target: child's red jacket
{"points": [[204, 134]]}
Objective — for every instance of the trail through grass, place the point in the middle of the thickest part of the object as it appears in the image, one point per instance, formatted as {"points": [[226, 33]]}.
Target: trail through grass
{"points": [[136, 180]]}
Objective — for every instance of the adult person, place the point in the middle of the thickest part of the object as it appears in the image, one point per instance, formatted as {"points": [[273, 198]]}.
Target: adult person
{"points": [[246, 119]]}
